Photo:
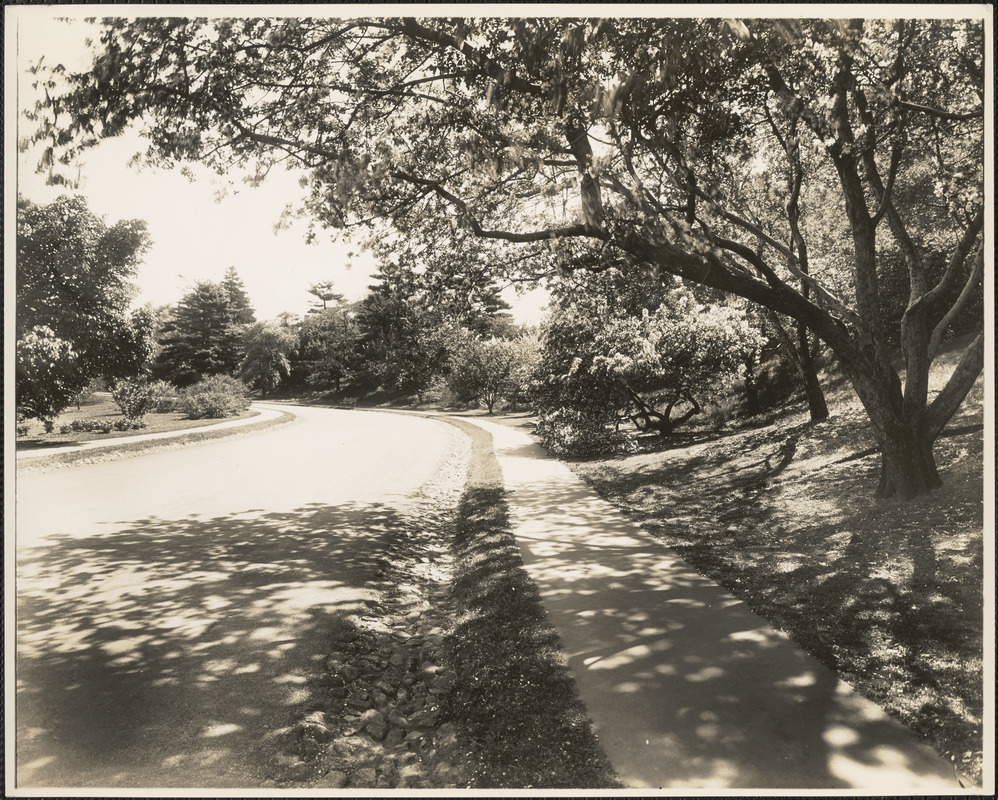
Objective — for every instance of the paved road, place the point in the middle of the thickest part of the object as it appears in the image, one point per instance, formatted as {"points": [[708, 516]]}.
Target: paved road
{"points": [[169, 605]]}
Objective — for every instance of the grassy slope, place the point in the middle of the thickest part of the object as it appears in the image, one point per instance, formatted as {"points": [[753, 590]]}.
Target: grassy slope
{"points": [[514, 696], [887, 593]]}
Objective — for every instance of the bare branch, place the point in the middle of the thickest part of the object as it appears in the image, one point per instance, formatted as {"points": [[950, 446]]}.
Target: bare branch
{"points": [[508, 236], [885, 197], [956, 260], [826, 296], [956, 389]]}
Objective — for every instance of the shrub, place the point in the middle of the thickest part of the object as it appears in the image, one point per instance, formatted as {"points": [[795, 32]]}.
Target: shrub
{"points": [[128, 424], [569, 432], [97, 425], [22, 429], [214, 397], [163, 397], [133, 397]]}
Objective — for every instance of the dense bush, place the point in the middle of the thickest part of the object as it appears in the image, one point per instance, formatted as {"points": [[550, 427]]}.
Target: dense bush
{"points": [[570, 432], [163, 397], [133, 397], [98, 425], [214, 397]]}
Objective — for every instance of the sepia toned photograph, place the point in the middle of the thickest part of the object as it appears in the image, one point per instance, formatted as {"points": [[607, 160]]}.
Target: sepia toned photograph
{"points": [[471, 399]]}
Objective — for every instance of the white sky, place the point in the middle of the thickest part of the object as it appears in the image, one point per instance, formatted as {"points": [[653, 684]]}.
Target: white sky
{"points": [[194, 236]]}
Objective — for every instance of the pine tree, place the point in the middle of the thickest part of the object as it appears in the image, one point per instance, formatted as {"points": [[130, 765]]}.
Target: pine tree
{"points": [[201, 339], [239, 302]]}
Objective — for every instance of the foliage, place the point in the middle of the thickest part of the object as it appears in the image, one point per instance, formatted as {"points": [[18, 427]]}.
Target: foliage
{"points": [[214, 397], [99, 425], [203, 337], [678, 350], [267, 346], [133, 397], [323, 291], [602, 349], [240, 308], [686, 147], [73, 290], [47, 374], [526, 360], [326, 350], [412, 319], [162, 397], [576, 432], [480, 370]]}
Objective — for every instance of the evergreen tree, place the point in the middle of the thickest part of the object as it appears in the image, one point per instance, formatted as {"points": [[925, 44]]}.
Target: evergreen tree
{"points": [[239, 303], [324, 292], [201, 339]]}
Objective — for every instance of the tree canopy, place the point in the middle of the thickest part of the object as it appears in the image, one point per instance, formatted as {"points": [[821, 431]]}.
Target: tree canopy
{"points": [[659, 140], [203, 336], [74, 286]]}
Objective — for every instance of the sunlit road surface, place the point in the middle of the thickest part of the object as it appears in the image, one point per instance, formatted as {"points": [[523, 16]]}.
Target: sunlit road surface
{"points": [[169, 606], [685, 686]]}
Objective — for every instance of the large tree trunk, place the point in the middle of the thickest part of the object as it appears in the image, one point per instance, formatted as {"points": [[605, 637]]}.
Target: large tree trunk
{"points": [[907, 467]]}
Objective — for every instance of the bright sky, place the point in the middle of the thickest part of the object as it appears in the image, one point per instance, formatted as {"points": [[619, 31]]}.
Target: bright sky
{"points": [[195, 237]]}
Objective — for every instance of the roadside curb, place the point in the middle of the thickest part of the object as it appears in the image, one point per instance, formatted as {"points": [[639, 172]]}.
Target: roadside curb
{"points": [[504, 633], [129, 446]]}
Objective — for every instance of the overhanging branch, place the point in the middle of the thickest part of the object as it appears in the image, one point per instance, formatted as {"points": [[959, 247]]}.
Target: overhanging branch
{"points": [[939, 113], [959, 305], [546, 234]]}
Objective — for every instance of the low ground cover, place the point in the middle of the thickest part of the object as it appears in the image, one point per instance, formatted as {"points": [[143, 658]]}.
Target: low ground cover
{"points": [[514, 696], [101, 407], [887, 593]]}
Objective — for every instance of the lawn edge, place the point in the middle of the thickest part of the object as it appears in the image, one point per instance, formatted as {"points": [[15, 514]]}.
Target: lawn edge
{"points": [[113, 452], [504, 757]]}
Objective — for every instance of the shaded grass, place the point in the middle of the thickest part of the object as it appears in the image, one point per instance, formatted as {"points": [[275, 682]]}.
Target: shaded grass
{"points": [[514, 697], [887, 593]]}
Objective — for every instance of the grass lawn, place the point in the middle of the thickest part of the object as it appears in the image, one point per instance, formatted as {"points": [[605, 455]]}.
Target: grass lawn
{"points": [[514, 697], [887, 593], [101, 406]]}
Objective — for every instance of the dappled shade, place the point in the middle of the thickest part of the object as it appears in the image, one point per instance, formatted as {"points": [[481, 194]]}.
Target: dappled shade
{"points": [[718, 698], [195, 632]]}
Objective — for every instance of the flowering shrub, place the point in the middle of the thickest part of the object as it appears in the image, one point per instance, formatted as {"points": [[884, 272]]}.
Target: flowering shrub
{"points": [[569, 432], [214, 397], [133, 397], [97, 425], [163, 397]]}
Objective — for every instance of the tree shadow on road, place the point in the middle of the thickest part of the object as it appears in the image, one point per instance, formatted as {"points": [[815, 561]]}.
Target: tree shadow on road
{"points": [[174, 652]]}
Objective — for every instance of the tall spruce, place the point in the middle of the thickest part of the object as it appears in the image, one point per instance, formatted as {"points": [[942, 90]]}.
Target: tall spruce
{"points": [[201, 338]]}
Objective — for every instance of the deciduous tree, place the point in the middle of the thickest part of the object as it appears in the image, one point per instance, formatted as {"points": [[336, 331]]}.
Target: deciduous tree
{"points": [[481, 369], [73, 290], [266, 347], [628, 134]]}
